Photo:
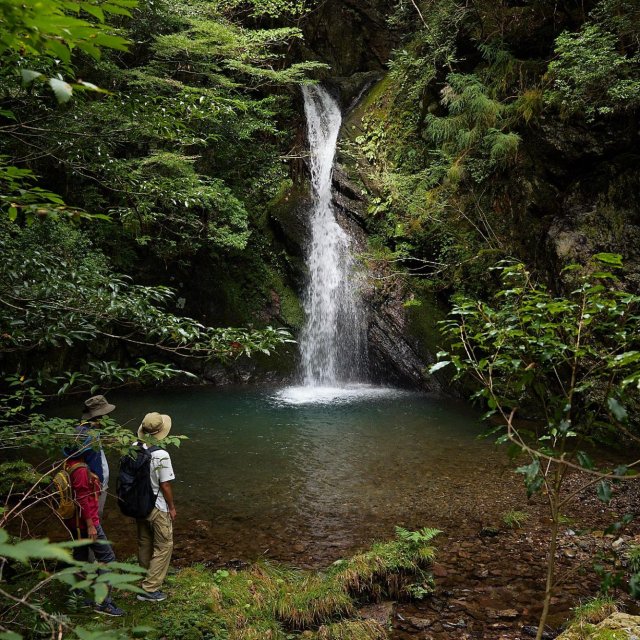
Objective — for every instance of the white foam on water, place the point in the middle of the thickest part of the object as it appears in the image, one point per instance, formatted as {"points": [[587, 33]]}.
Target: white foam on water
{"points": [[309, 395]]}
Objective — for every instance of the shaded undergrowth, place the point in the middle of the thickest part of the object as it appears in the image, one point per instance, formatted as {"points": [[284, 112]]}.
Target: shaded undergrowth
{"points": [[267, 601]]}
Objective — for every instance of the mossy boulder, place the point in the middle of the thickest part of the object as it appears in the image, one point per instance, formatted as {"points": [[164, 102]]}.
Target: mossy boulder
{"points": [[289, 213], [617, 626]]}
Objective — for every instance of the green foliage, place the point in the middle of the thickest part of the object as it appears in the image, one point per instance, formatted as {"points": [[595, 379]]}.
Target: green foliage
{"points": [[569, 362], [451, 141], [475, 120], [215, 46], [376, 572], [16, 477], [57, 27], [87, 576], [171, 155], [457, 134], [633, 558], [70, 296], [46, 35], [178, 210], [591, 76], [270, 8], [432, 48], [20, 199]]}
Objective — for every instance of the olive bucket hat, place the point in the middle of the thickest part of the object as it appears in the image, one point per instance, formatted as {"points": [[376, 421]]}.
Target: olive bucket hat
{"points": [[156, 425], [97, 406]]}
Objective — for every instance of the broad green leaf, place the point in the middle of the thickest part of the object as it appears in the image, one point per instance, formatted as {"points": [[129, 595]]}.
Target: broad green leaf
{"points": [[100, 591], [59, 50], [613, 259], [439, 365], [604, 491], [94, 10], [617, 409], [584, 460], [25, 550], [115, 9]]}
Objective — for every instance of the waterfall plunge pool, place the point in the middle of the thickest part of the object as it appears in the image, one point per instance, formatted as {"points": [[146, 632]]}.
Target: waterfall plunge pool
{"points": [[308, 479]]}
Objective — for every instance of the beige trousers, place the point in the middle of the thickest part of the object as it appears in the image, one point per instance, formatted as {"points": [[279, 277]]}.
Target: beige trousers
{"points": [[155, 544]]}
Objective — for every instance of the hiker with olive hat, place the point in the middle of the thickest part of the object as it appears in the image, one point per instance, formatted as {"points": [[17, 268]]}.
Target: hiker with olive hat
{"points": [[94, 409], [155, 532]]}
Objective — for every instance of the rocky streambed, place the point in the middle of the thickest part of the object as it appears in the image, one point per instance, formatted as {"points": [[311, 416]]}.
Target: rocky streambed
{"points": [[489, 576], [490, 582]]}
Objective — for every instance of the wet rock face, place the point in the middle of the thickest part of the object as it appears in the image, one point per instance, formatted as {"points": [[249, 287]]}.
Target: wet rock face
{"points": [[587, 189], [393, 355], [351, 35]]}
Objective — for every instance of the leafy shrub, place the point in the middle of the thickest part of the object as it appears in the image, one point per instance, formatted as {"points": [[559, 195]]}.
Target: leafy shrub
{"points": [[590, 76]]}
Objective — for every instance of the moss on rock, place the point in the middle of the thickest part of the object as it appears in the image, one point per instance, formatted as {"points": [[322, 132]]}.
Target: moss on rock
{"points": [[599, 620]]}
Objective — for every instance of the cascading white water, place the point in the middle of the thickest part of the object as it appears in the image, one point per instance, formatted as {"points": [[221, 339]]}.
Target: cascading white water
{"points": [[332, 342]]}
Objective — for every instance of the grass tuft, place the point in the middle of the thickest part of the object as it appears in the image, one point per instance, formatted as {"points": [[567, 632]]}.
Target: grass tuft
{"points": [[595, 611], [389, 568], [353, 630], [633, 558], [515, 519], [312, 600]]}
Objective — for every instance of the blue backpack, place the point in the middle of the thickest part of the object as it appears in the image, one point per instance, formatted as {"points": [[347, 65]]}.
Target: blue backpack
{"points": [[136, 497]]}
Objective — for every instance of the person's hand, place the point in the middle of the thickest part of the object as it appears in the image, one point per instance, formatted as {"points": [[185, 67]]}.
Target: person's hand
{"points": [[92, 532], [172, 513]]}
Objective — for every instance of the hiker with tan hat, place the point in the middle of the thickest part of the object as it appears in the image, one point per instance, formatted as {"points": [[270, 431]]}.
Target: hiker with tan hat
{"points": [[94, 409], [155, 531]]}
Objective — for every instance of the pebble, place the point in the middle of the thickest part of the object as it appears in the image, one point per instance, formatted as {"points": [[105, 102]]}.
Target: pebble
{"points": [[419, 623], [508, 614]]}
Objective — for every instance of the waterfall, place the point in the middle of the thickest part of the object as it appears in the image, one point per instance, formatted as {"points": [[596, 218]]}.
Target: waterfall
{"points": [[332, 342]]}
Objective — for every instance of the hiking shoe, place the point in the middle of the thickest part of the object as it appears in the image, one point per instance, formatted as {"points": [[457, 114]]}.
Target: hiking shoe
{"points": [[109, 609], [152, 596]]}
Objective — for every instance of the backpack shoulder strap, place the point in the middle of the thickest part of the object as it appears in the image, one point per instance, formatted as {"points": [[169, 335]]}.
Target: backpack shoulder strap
{"points": [[154, 448], [75, 466]]}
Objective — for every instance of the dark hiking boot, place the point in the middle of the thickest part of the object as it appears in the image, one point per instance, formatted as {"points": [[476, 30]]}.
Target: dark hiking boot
{"points": [[152, 596], [109, 609]]}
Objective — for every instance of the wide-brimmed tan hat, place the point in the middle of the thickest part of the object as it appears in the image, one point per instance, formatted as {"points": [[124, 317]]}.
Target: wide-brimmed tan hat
{"points": [[97, 406], [156, 425]]}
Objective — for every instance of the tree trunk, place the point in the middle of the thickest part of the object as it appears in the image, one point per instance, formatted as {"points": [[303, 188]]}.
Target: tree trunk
{"points": [[551, 568]]}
